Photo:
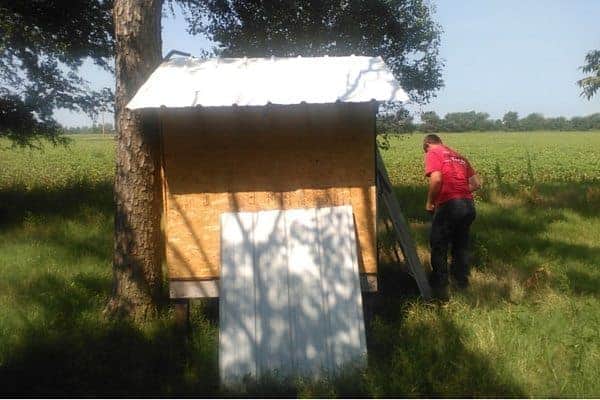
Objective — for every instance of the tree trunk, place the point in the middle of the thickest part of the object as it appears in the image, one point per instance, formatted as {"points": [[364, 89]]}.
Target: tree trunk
{"points": [[137, 284]]}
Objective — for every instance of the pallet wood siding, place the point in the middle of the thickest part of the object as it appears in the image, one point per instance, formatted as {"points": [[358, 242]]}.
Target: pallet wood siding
{"points": [[248, 159]]}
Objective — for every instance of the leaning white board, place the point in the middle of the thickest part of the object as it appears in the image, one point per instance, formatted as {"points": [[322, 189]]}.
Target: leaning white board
{"points": [[290, 300]]}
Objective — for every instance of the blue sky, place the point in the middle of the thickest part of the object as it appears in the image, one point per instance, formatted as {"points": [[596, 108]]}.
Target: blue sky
{"points": [[500, 55]]}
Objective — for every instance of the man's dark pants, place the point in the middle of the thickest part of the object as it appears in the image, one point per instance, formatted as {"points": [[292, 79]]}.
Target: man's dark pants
{"points": [[450, 227]]}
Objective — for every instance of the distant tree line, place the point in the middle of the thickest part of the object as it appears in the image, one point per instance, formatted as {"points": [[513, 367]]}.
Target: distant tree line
{"points": [[401, 121], [89, 130]]}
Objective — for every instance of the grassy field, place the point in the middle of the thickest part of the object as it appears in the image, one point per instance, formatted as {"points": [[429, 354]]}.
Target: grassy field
{"points": [[528, 326]]}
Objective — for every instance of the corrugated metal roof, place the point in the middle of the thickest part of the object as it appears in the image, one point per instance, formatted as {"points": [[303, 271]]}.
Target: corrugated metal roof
{"points": [[290, 294], [190, 82]]}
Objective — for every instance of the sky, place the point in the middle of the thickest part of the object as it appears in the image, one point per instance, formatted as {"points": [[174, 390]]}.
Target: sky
{"points": [[499, 55]]}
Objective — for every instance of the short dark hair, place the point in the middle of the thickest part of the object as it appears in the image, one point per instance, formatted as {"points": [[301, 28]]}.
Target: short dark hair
{"points": [[432, 139]]}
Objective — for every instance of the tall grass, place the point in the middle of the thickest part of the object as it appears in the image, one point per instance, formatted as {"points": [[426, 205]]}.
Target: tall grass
{"points": [[528, 326]]}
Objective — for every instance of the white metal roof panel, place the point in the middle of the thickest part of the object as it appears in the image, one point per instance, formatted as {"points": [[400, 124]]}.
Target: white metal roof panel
{"points": [[190, 82], [290, 294]]}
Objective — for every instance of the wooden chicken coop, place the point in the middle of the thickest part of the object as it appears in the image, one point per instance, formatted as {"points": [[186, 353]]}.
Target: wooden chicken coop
{"points": [[248, 135]]}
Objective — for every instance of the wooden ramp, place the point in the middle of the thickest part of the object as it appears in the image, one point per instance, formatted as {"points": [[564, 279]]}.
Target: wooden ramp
{"points": [[290, 294], [385, 193]]}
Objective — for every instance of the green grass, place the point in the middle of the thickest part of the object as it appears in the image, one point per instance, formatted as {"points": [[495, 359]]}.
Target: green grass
{"points": [[532, 312], [528, 326]]}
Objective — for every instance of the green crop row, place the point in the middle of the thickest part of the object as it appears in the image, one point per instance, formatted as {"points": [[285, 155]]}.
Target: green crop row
{"points": [[506, 158], [85, 160]]}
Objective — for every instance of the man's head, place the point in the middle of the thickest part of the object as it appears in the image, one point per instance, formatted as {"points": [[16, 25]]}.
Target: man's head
{"points": [[431, 139]]}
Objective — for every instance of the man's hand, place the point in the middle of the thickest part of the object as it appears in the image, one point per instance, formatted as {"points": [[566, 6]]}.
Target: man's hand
{"points": [[429, 207], [435, 185], [474, 183]]}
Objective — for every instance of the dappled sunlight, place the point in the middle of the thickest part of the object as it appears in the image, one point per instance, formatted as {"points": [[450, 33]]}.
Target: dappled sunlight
{"points": [[535, 249], [503, 200], [527, 326], [488, 289], [290, 296], [427, 352]]}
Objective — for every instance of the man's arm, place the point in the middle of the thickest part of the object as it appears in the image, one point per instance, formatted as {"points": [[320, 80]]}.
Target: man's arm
{"points": [[435, 185], [474, 183]]}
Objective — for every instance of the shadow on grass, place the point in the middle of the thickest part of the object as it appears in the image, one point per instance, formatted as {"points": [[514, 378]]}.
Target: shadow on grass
{"points": [[407, 356], [423, 355], [505, 235], [55, 340], [66, 347], [18, 202], [582, 198], [427, 357], [582, 283]]}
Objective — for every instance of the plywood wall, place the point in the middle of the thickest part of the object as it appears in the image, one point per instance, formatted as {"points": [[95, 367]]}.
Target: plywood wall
{"points": [[263, 158]]}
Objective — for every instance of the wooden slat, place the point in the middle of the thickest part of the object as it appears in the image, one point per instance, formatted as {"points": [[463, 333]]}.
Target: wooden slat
{"points": [[195, 289], [273, 332], [341, 288], [237, 313], [401, 229], [308, 316]]}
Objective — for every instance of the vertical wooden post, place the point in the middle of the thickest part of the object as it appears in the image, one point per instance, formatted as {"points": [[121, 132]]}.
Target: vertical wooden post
{"points": [[182, 314]]}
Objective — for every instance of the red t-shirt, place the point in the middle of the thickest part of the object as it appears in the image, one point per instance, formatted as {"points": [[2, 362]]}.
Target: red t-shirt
{"points": [[455, 170]]}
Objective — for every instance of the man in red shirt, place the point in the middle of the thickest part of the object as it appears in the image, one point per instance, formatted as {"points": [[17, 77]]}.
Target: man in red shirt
{"points": [[451, 183]]}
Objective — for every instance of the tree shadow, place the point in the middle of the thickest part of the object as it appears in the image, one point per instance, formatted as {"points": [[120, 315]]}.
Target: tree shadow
{"points": [[504, 236], [290, 296], [63, 346], [583, 284], [18, 202], [65, 349], [427, 357], [411, 357], [55, 340], [581, 196]]}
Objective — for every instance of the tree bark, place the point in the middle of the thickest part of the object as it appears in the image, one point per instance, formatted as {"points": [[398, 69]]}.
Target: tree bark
{"points": [[137, 279]]}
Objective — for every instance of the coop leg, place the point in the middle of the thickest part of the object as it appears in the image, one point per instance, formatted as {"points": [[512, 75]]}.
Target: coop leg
{"points": [[369, 306], [182, 314]]}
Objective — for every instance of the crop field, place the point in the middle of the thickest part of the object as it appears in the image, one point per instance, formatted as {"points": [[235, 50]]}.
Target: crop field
{"points": [[529, 325]]}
